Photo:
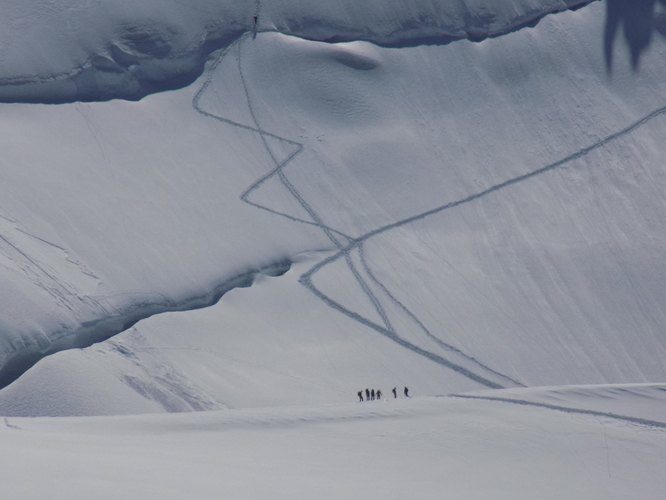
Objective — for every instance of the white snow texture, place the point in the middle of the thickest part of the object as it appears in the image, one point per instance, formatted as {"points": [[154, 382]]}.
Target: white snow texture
{"points": [[249, 211]]}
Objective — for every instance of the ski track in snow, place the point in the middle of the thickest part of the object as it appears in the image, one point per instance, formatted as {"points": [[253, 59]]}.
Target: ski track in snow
{"points": [[386, 330], [490, 377], [416, 320], [566, 409], [45, 273], [11, 426]]}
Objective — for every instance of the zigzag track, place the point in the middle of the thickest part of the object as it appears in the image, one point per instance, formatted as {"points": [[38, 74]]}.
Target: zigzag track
{"points": [[490, 377]]}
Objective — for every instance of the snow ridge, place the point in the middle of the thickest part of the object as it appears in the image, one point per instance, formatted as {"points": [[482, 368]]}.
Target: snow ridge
{"points": [[488, 379], [15, 363], [141, 50]]}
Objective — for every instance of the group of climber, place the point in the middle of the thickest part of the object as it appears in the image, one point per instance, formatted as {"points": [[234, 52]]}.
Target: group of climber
{"points": [[371, 394]]}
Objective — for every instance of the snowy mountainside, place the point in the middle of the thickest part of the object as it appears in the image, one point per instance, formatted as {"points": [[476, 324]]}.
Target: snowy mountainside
{"points": [[106, 220], [273, 344], [491, 215], [91, 51], [300, 220]]}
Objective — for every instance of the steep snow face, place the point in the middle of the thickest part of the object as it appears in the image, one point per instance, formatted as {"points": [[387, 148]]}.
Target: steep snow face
{"points": [[98, 190], [493, 210], [125, 211], [94, 51], [274, 344]]}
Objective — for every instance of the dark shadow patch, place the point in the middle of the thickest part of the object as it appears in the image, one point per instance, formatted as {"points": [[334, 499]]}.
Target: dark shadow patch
{"points": [[354, 61], [150, 43], [142, 60], [136, 65], [638, 19]]}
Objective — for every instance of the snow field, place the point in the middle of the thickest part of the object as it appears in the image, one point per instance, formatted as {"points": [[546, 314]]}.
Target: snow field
{"points": [[424, 447]]}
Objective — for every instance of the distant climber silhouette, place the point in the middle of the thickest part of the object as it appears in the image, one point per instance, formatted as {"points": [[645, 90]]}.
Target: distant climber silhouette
{"points": [[360, 396], [367, 394], [406, 392], [254, 28], [379, 394], [395, 394], [372, 394]]}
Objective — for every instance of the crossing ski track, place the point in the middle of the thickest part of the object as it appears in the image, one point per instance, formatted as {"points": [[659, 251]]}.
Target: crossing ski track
{"points": [[481, 373], [386, 330]]}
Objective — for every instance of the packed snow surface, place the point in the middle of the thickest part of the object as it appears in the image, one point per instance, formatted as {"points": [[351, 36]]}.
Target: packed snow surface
{"points": [[426, 448]]}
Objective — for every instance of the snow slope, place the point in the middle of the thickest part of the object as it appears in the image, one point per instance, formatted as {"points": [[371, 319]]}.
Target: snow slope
{"points": [[244, 352], [493, 212]]}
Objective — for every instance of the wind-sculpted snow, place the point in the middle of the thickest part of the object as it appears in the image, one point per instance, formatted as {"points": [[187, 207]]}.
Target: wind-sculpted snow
{"points": [[127, 49]]}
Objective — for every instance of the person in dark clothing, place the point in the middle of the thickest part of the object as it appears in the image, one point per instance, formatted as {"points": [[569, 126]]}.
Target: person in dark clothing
{"points": [[367, 394], [360, 396], [395, 394], [254, 28], [372, 394], [406, 392], [379, 394]]}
